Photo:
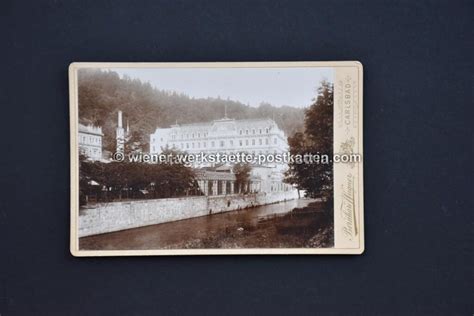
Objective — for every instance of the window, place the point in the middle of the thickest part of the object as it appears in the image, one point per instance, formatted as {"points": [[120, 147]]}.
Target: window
{"points": [[253, 142], [204, 144], [222, 143], [266, 141], [187, 145], [260, 141], [240, 141], [246, 131], [246, 142], [260, 131], [231, 142], [266, 130], [199, 135], [212, 144], [241, 132], [253, 131]]}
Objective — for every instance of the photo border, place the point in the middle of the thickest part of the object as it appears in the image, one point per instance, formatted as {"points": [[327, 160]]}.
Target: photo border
{"points": [[74, 159]]}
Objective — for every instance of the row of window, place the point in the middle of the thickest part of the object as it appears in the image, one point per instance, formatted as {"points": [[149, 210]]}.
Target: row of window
{"points": [[90, 139], [90, 151], [183, 136], [205, 134], [254, 152], [222, 143], [267, 130]]}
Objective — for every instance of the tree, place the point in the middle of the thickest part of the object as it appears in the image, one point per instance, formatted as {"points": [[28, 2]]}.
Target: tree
{"points": [[91, 176], [134, 180], [133, 143], [172, 177], [242, 176], [317, 139]]}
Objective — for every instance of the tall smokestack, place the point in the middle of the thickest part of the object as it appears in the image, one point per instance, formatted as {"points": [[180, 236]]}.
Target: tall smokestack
{"points": [[119, 119], [120, 134]]}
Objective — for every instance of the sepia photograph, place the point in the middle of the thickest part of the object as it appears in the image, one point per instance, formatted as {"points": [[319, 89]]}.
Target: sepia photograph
{"points": [[227, 158]]}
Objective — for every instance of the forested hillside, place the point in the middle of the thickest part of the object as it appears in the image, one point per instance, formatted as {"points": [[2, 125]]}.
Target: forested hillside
{"points": [[103, 93]]}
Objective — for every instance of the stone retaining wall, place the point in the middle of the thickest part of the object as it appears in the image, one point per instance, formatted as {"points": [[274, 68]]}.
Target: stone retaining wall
{"points": [[115, 216]]}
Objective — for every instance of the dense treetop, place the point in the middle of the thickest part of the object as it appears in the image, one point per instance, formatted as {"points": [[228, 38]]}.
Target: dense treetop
{"points": [[316, 139]]}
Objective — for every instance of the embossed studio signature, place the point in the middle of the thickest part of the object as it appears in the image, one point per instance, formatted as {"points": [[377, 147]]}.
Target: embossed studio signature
{"points": [[348, 208]]}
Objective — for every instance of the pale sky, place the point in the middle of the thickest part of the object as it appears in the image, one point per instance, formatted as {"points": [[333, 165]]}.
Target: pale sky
{"points": [[278, 86]]}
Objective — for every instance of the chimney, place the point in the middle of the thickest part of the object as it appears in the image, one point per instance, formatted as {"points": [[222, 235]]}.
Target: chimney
{"points": [[120, 119]]}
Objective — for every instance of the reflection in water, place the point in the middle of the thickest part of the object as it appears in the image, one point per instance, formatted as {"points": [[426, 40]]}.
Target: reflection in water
{"points": [[168, 234]]}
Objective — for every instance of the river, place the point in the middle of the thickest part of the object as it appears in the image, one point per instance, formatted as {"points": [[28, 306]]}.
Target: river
{"points": [[176, 234]]}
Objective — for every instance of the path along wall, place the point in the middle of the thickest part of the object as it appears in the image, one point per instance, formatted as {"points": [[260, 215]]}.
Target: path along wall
{"points": [[115, 216]]}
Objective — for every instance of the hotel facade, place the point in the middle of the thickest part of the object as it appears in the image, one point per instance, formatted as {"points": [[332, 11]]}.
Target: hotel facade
{"points": [[256, 136], [230, 136]]}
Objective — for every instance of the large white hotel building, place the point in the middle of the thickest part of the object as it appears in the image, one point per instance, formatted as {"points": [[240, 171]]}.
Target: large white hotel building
{"points": [[252, 136], [257, 136]]}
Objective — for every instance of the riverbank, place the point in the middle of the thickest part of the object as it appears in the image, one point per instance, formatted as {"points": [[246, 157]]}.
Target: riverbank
{"points": [[299, 223], [117, 216], [306, 227]]}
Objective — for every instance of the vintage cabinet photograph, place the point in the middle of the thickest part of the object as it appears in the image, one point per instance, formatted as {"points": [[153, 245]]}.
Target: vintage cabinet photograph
{"points": [[216, 158]]}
